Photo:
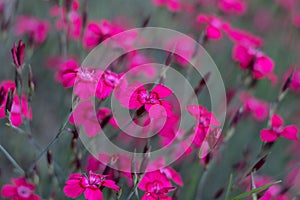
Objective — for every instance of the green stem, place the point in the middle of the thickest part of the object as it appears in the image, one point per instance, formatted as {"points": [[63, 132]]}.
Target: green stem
{"points": [[12, 160]]}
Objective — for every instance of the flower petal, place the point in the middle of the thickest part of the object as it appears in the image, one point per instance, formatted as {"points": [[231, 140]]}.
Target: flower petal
{"points": [[93, 194], [8, 191], [162, 91], [276, 121], [290, 132], [268, 135], [73, 190]]}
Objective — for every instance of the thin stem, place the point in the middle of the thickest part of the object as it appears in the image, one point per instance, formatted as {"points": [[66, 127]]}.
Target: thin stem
{"points": [[12, 160], [45, 150]]}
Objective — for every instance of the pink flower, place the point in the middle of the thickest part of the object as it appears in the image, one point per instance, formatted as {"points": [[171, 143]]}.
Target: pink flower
{"points": [[249, 57], [258, 108], [19, 190], [171, 5], [107, 83], [295, 82], [233, 6], [243, 37], [18, 111], [272, 193], [67, 72], [96, 32], [18, 53], [84, 115], [183, 47], [72, 20], [277, 129], [206, 123], [214, 26], [156, 186], [89, 184], [263, 66], [36, 29], [142, 97]]}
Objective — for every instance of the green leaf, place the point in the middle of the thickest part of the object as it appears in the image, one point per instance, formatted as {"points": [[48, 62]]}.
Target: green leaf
{"points": [[256, 190]]}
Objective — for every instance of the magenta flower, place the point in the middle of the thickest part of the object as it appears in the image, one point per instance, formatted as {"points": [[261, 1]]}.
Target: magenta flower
{"points": [[295, 81], [233, 6], [171, 5], [142, 97], [72, 20], [206, 122], [36, 29], [258, 108], [156, 186], [18, 53], [19, 190], [107, 83], [96, 32], [214, 26], [68, 72], [277, 129], [84, 115], [183, 47], [18, 111], [89, 184], [243, 37]]}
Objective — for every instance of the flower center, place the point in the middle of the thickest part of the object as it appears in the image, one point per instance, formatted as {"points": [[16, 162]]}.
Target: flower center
{"points": [[110, 78], [23, 191], [91, 181]]}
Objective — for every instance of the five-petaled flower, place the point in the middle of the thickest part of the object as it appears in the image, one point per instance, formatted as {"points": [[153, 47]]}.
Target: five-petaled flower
{"points": [[91, 185], [277, 129], [156, 185], [19, 190]]}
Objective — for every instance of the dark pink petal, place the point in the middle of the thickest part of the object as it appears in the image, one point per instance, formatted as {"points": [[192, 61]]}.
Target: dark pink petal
{"points": [[290, 132], [19, 181], [267, 135], [276, 121], [111, 184], [93, 194], [162, 91], [73, 190], [175, 176], [8, 191], [213, 33]]}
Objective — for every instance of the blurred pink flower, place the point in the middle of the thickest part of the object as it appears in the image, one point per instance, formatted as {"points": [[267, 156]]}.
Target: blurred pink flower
{"points": [[238, 7], [96, 32], [277, 129], [171, 5], [214, 26], [89, 185], [249, 57], [19, 190], [240, 36], [72, 20], [36, 29], [295, 82], [185, 48], [85, 115], [258, 108], [206, 122]]}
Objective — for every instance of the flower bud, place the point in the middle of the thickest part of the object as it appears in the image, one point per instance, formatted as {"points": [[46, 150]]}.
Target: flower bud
{"points": [[18, 53]]}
